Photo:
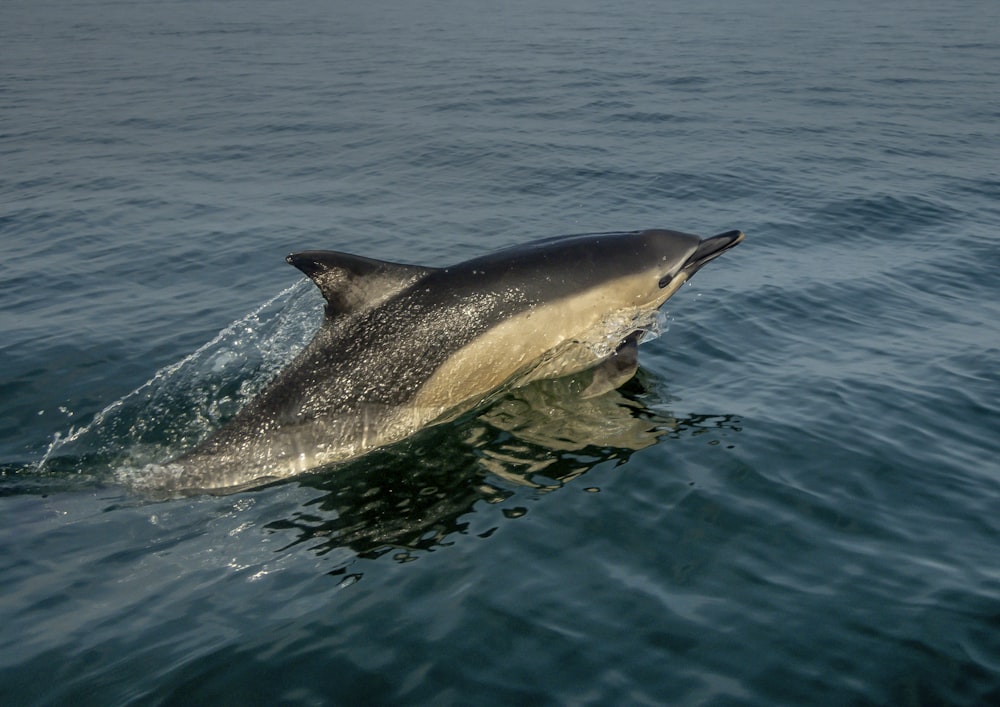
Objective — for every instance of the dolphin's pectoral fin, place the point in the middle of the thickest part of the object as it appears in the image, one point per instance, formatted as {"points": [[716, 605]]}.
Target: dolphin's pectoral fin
{"points": [[350, 283], [616, 369]]}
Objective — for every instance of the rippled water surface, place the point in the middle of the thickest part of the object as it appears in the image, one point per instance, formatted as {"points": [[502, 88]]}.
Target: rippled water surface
{"points": [[795, 501]]}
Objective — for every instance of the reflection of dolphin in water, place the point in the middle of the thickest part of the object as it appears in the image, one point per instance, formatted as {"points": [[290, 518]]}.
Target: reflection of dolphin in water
{"points": [[404, 346], [468, 478]]}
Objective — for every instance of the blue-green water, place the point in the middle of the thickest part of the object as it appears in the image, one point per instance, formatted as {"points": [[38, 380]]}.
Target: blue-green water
{"points": [[796, 501]]}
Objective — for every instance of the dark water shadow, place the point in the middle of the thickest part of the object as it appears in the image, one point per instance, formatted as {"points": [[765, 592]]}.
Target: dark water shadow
{"points": [[418, 495]]}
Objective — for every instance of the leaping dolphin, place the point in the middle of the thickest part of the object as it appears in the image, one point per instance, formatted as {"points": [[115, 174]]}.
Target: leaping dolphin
{"points": [[405, 346]]}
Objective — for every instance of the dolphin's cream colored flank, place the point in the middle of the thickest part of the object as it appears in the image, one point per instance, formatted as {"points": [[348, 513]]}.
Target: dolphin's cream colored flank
{"points": [[576, 333]]}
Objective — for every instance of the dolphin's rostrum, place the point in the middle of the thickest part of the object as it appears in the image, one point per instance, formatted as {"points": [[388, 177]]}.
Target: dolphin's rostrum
{"points": [[404, 346]]}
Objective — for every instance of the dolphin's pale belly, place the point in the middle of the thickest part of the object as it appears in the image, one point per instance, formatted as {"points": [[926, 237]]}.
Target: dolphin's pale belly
{"points": [[473, 377], [533, 346], [291, 450]]}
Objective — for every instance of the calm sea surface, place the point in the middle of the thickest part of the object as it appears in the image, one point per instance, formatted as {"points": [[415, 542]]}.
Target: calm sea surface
{"points": [[797, 500]]}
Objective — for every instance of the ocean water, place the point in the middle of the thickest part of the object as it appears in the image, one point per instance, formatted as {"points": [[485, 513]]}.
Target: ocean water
{"points": [[794, 502]]}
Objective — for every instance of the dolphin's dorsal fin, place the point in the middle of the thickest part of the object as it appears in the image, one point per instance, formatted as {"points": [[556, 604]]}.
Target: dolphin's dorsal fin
{"points": [[351, 283]]}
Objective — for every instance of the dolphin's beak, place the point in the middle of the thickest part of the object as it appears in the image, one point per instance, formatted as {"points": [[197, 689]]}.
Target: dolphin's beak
{"points": [[710, 249]]}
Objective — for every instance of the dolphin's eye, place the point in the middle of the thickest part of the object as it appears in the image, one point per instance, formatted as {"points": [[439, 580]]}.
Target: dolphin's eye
{"points": [[665, 280]]}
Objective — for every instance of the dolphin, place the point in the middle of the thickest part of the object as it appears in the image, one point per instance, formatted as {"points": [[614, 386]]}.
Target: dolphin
{"points": [[405, 346]]}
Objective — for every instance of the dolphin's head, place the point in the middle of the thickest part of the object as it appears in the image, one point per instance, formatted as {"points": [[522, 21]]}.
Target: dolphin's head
{"points": [[647, 267], [681, 255], [636, 269]]}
